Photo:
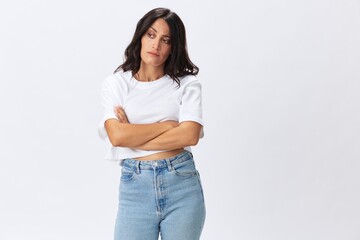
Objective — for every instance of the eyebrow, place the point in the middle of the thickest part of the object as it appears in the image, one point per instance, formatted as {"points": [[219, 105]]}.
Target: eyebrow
{"points": [[157, 31]]}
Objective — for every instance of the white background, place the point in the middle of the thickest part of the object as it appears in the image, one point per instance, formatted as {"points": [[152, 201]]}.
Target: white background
{"points": [[281, 92]]}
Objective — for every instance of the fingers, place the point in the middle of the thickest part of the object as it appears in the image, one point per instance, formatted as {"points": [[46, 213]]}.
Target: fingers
{"points": [[120, 114]]}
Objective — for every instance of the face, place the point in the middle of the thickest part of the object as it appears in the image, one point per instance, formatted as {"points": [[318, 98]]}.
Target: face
{"points": [[156, 44]]}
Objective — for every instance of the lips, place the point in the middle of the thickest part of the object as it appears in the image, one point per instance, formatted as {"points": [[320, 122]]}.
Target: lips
{"points": [[154, 54]]}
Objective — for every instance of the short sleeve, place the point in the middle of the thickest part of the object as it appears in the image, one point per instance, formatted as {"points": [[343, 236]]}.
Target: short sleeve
{"points": [[109, 100], [191, 104]]}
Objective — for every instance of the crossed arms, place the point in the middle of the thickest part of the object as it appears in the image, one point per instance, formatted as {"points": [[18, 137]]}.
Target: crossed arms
{"points": [[168, 135]]}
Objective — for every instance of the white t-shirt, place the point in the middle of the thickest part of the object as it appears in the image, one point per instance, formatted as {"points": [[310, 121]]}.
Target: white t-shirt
{"points": [[149, 102]]}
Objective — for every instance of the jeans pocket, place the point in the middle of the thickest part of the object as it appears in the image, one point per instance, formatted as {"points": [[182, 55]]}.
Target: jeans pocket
{"points": [[185, 169], [127, 174]]}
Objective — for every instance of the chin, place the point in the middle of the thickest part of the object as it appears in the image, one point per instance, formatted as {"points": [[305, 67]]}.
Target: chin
{"points": [[153, 64]]}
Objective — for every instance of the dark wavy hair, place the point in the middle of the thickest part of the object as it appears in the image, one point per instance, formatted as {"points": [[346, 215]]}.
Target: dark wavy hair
{"points": [[178, 63]]}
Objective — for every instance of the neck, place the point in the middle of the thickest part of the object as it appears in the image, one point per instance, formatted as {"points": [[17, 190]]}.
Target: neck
{"points": [[148, 74]]}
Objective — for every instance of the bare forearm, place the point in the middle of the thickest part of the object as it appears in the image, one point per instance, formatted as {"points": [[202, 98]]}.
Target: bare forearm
{"points": [[179, 137], [132, 135]]}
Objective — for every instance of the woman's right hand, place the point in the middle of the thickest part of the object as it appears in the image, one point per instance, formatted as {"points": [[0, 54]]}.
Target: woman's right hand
{"points": [[121, 115]]}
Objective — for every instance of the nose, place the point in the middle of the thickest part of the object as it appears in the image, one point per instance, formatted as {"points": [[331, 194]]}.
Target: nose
{"points": [[156, 44]]}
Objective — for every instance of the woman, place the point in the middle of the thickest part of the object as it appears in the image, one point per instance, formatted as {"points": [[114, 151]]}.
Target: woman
{"points": [[152, 116]]}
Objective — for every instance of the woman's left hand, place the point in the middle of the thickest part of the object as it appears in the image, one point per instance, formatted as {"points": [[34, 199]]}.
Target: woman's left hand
{"points": [[121, 115]]}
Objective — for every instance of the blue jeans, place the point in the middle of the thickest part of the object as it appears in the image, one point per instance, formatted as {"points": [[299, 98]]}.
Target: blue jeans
{"points": [[162, 196]]}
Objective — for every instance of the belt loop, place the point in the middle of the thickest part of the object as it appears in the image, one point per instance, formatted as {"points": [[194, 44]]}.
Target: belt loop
{"points": [[137, 167], [169, 165]]}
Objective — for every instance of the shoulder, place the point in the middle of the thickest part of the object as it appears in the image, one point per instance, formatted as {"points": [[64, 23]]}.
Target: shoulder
{"points": [[189, 80], [119, 79]]}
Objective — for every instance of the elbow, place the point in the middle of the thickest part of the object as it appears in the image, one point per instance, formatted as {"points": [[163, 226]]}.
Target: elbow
{"points": [[116, 141], [116, 135], [193, 140], [191, 132]]}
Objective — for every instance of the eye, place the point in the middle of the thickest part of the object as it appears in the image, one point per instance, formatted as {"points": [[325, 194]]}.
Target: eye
{"points": [[150, 34], [166, 40]]}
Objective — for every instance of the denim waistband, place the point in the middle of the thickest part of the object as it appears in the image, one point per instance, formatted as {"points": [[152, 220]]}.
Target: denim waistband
{"points": [[161, 163]]}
